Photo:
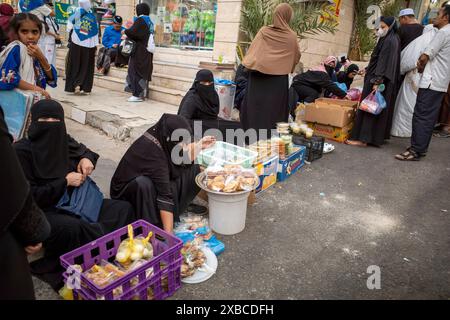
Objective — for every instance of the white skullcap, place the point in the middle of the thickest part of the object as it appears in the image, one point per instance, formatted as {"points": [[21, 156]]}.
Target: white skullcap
{"points": [[406, 12]]}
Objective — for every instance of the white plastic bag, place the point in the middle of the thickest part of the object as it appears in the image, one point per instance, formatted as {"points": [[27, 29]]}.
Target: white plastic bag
{"points": [[151, 44]]}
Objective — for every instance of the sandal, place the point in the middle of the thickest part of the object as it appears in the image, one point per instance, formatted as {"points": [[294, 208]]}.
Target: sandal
{"points": [[355, 143], [442, 134], [408, 155]]}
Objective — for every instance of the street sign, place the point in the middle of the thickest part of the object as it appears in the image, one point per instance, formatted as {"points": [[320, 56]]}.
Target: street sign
{"points": [[63, 12]]}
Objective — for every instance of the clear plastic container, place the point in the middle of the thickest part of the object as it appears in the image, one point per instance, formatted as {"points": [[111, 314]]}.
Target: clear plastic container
{"points": [[223, 153]]}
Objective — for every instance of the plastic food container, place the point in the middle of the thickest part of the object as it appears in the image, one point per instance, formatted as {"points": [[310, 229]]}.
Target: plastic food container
{"points": [[223, 153]]}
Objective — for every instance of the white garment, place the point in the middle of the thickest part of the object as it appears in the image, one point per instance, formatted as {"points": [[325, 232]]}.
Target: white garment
{"points": [[437, 71], [41, 12], [88, 43], [407, 95], [47, 45], [26, 69]]}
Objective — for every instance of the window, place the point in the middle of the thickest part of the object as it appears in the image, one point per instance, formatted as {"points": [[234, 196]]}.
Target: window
{"points": [[184, 23]]}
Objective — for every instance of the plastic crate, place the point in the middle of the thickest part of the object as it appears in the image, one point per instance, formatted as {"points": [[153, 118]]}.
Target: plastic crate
{"points": [[226, 153], [166, 266], [314, 146]]}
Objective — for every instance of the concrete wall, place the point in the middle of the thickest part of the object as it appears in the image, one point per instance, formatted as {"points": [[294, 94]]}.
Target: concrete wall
{"points": [[317, 47], [125, 8], [314, 48], [227, 29]]}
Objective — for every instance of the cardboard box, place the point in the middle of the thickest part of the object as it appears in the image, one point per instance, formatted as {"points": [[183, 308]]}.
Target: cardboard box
{"points": [[267, 173], [332, 112], [332, 133], [337, 102], [291, 164]]}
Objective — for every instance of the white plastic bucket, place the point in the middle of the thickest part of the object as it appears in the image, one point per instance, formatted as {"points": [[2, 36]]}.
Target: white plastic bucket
{"points": [[227, 212]]}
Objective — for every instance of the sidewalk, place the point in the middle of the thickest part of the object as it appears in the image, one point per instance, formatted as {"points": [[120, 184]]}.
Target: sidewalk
{"points": [[110, 112]]}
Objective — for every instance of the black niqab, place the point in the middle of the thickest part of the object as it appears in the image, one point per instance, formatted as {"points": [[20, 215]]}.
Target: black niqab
{"points": [[49, 145], [163, 131], [207, 94]]}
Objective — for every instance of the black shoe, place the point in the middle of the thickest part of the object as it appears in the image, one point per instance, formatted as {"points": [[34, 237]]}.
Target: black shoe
{"points": [[197, 209]]}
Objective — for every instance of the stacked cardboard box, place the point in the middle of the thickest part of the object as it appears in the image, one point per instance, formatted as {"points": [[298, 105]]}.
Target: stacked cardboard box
{"points": [[331, 118]]}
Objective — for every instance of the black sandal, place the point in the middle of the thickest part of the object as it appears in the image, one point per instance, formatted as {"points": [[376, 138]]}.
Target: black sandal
{"points": [[408, 155]]}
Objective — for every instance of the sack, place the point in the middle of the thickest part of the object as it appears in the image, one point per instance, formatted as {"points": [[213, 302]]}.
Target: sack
{"points": [[151, 44], [127, 47], [374, 103], [85, 201]]}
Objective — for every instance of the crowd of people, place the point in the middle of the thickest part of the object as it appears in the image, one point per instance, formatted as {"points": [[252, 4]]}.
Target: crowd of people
{"points": [[412, 63]]}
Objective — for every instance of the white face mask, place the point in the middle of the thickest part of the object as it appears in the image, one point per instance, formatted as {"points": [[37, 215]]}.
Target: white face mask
{"points": [[381, 32]]}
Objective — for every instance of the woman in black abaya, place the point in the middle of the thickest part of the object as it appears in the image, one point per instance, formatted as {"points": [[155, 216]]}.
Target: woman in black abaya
{"points": [[140, 66], [201, 102], [22, 224], [53, 162], [148, 178], [384, 68]]}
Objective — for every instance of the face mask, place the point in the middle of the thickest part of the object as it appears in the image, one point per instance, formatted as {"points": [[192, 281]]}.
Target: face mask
{"points": [[381, 32]]}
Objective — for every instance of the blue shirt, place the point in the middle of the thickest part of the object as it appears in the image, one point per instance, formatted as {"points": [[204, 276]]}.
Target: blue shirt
{"points": [[10, 77], [111, 36]]}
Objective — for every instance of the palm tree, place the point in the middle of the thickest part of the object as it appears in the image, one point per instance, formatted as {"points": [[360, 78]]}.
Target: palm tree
{"points": [[307, 18]]}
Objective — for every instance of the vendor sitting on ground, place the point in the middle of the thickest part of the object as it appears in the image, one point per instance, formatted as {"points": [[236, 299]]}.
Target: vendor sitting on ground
{"points": [[310, 85], [348, 75], [201, 102], [109, 53], [159, 186], [54, 163]]}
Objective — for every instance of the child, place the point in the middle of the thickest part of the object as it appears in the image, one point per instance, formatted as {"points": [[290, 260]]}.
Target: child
{"points": [[22, 64]]}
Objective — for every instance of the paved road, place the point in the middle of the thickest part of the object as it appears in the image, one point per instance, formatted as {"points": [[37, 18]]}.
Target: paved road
{"points": [[315, 235]]}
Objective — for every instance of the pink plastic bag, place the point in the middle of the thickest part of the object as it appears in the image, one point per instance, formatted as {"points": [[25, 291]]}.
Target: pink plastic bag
{"points": [[374, 103], [354, 94]]}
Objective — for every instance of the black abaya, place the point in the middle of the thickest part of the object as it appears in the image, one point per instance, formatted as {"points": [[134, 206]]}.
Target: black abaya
{"points": [[49, 140], [80, 68], [266, 101], [142, 193], [201, 104], [384, 66], [148, 178], [140, 65], [21, 223]]}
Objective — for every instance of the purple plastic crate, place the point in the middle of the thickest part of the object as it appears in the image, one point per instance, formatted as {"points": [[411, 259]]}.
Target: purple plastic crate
{"points": [[165, 264]]}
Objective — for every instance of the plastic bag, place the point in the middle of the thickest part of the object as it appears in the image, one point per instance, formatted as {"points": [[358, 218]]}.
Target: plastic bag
{"points": [[354, 94], [342, 86], [374, 103], [133, 249]]}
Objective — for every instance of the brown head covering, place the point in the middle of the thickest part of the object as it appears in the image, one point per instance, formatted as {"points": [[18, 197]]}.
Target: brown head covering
{"points": [[275, 48]]}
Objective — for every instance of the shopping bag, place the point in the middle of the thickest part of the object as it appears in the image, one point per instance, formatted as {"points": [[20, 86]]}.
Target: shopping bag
{"points": [[16, 107], [127, 47], [374, 103], [151, 44], [84, 201]]}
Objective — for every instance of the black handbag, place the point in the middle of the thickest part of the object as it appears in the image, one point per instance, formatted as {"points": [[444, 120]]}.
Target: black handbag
{"points": [[127, 47]]}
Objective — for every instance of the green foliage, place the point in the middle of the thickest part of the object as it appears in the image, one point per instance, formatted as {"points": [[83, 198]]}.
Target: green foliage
{"points": [[306, 19], [363, 39]]}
